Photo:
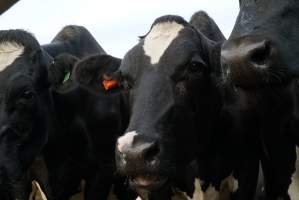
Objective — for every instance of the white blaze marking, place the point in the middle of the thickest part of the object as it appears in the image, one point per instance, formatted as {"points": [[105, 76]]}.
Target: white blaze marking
{"points": [[293, 190], [159, 38], [138, 198], [9, 52], [127, 139]]}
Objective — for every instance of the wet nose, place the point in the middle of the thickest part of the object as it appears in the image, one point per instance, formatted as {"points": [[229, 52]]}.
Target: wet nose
{"points": [[244, 59], [254, 53], [133, 146]]}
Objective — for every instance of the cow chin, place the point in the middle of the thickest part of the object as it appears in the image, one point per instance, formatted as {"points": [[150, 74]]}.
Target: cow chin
{"points": [[146, 177], [147, 180]]}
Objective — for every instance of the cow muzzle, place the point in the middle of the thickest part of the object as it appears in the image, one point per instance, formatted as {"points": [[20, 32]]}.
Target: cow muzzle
{"points": [[249, 62], [137, 157]]}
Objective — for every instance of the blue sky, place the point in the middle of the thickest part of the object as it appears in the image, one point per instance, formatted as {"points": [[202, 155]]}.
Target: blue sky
{"points": [[116, 24]]}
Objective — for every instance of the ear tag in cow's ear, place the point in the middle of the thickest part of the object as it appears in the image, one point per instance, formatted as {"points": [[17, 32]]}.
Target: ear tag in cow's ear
{"points": [[67, 76], [108, 83]]}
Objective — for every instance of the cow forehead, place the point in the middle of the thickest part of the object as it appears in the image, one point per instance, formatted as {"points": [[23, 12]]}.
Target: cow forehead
{"points": [[159, 38], [9, 52]]}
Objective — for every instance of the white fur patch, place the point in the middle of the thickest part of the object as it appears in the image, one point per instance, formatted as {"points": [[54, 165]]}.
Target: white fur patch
{"points": [[125, 140], [293, 190], [197, 195], [9, 52], [228, 186], [159, 38], [210, 194], [138, 198]]}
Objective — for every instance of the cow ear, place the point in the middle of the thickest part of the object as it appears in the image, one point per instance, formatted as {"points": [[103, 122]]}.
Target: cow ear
{"points": [[61, 68], [109, 82], [41, 60]]}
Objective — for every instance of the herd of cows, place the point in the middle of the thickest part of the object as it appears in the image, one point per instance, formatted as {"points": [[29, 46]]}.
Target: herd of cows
{"points": [[186, 114]]}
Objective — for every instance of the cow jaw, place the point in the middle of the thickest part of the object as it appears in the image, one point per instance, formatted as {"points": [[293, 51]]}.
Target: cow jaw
{"points": [[9, 52]]}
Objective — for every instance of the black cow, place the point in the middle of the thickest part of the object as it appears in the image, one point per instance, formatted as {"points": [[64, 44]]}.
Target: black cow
{"points": [[181, 131], [75, 40], [26, 110], [86, 114], [98, 117], [260, 60]]}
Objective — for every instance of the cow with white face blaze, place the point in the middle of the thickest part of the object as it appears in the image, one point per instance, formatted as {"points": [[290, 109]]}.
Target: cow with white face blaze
{"points": [[177, 138], [25, 104], [34, 143]]}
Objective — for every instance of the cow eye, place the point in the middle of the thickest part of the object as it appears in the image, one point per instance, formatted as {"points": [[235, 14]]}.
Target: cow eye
{"points": [[197, 67], [27, 95]]}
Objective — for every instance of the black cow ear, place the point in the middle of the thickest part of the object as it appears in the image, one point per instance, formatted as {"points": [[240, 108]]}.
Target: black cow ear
{"points": [[108, 82], [41, 61], [61, 68]]}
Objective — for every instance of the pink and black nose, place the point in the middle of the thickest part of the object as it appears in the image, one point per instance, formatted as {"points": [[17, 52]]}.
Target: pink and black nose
{"points": [[133, 147], [245, 59]]}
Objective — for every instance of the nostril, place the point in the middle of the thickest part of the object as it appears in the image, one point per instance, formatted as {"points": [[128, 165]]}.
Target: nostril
{"points": [[151, 151], [260, 55]]}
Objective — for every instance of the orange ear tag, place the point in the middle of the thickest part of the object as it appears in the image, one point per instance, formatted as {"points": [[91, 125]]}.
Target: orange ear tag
{"points": [[109, 83]]}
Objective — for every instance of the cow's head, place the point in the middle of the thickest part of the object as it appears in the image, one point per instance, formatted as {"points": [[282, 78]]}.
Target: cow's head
{"points": [[263, 48], [167, 76], [24, 100]]}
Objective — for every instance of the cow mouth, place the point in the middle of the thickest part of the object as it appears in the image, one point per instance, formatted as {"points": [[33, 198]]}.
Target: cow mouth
{"points": [[148, 182]]}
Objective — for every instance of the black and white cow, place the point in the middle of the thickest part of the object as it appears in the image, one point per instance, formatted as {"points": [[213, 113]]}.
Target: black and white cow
{"points": [[26, 110], [261, 60], [183, 136], [36, 142]]}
